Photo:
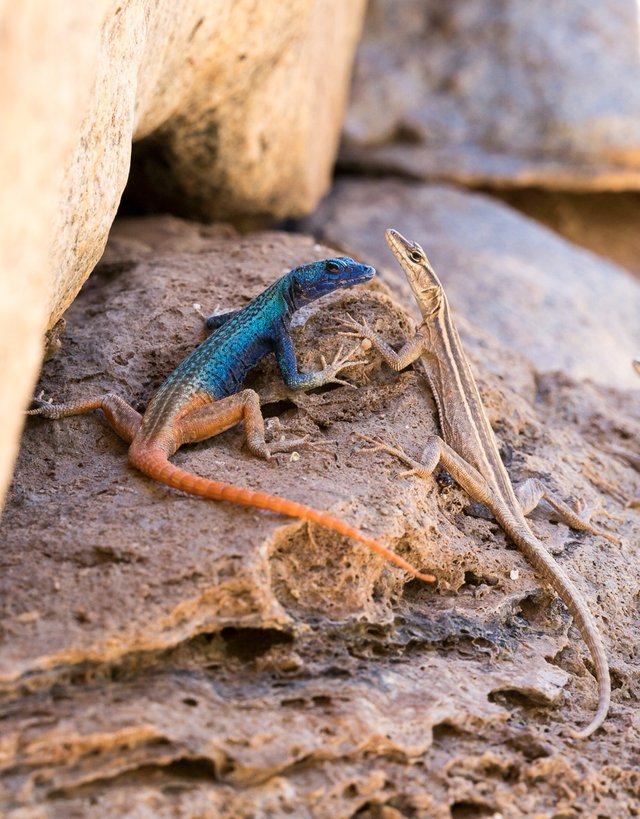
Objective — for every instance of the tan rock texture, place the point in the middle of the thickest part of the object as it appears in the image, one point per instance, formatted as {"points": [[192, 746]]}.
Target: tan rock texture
{"points": [[606, 223], [555, 303], [496, 92], [42, 96], [237, 106], [165, 656]]}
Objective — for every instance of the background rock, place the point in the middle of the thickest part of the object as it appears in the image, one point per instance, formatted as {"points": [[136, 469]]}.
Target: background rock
{"points": [[495, 93], [558, 305], [606, 223], [237, 106], [255, 131], [162, 655]]}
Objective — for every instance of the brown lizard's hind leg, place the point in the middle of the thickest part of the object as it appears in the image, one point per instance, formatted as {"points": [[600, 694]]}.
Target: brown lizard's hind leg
{"points": [[122, 418], [437, 452], [218, 416], [529, 494], [422, 468]]}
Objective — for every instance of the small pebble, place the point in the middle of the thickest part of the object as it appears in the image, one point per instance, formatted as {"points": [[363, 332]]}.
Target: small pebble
{"points": [[514, 574], [295, 456], [28, 617], [365, 344]]}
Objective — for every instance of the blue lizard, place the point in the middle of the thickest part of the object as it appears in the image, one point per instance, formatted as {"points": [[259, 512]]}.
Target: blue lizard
{"points": [[203, 397]]}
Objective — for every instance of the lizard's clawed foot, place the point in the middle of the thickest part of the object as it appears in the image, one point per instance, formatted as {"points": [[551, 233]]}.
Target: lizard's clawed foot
{"points": [[279, 444], [40, 406], [339, 363], [378, 445], [355, 328], [586, 512]]}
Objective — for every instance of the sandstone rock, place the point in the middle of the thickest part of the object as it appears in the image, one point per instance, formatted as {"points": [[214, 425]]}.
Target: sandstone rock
{"points": [[41, 99], [560, 306], [162, 655], [237, 106], [256, 130], [497, 93]]}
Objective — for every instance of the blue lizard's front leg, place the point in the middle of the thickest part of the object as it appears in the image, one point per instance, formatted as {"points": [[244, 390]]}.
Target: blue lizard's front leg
{"points": [[216, 320], [295, 380]]}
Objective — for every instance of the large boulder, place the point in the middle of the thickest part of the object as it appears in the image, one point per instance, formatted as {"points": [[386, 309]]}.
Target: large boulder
{"points": [[162, 655], [238, 106], [559, 305], [496, 92]]}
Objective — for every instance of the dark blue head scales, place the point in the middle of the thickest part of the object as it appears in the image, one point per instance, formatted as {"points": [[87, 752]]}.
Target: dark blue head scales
{"points": [[311, 281]]}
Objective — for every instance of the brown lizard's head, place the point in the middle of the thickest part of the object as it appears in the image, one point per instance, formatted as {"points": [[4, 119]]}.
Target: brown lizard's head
{"points": [[422, 278]]}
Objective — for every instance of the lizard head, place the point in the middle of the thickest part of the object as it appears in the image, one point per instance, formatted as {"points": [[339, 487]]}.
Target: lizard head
{"points": [[313, 280], [422, 278]]}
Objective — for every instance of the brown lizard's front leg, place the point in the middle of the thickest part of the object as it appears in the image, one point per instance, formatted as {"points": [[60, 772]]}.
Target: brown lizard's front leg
{"points": [[437, 451], [408, 353]]}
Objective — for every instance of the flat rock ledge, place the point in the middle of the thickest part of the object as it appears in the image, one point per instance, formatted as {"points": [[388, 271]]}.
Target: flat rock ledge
{"points": [[165, 656]]}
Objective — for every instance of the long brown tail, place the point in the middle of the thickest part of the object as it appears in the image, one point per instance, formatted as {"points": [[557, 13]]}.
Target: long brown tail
{"points": [[155, 464], [542, 561]]}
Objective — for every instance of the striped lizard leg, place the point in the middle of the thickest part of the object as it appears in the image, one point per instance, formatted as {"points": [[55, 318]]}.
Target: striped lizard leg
{"points": [[423, 468], [529, 494], [121, 417], [437, 451], [218, 416]]}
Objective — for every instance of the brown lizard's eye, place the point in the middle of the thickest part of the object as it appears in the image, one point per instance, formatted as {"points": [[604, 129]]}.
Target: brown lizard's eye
{"points": [[416, 256]]}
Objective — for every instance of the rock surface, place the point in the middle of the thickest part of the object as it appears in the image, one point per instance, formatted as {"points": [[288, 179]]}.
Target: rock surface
{"points": [[605, 223], [496, 93], [237, 109], [161, 655], [556, 304]]}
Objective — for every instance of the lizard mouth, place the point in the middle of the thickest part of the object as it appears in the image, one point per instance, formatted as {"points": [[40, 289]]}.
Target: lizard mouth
{"points": [[366, 275], [396, 241]]}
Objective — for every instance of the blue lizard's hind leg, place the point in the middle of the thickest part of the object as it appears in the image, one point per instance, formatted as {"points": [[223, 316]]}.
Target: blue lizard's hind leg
{"points": [[122, 418], [216, 417]]}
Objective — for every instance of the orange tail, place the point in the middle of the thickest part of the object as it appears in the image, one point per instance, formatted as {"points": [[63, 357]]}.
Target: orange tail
{"points": [[155, 464]]}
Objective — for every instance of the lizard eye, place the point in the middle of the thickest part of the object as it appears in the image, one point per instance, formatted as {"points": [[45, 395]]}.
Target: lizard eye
{"points": [[332, 267], [416, 256]]}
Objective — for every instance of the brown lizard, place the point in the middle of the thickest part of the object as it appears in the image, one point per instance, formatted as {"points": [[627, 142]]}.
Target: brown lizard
{"points": [[468, 448]]}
